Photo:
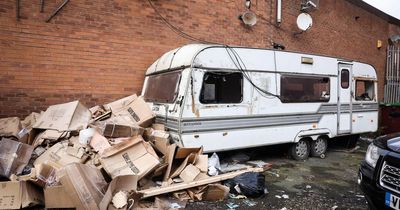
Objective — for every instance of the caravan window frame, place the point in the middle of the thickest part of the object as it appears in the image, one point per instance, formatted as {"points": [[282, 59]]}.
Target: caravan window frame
{"points": [[176, 89], [302, 99], [201, 94]]}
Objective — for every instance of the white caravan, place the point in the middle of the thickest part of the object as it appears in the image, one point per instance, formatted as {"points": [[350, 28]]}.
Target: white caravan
{"points": [[226, 98]]}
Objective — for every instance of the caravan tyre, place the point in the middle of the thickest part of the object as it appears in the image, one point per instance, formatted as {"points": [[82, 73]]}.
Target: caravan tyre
{"points": [[300, 150], [318, 147]]}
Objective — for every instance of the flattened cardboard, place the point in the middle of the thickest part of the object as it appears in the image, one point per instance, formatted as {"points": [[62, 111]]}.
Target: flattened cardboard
{"points": [[189, 173], [14, 156], [121, 183], [57, 197], [84, 184], [19, 194], [202, 163], [10, 127], [59, 155], [215, 192], [190, 159], [133, 157], [183, 152], [169, 158], [70, 116]]}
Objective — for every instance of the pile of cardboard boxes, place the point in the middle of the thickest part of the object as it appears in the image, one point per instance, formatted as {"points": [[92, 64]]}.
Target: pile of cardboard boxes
{"points": [[108, 157]]}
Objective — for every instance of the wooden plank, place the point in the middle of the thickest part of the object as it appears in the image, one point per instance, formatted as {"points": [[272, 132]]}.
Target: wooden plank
{"points": [[181, 186]]}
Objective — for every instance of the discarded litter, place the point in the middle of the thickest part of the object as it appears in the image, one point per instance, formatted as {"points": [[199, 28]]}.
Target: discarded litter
{"points": [[232, 205], [111, 156], [285, 196], [249, 184], [250, 203]]}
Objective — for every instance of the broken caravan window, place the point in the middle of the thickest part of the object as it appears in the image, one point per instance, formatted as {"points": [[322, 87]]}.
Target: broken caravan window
{"points": [[162, 88], [222, 88], [299, 89], [365, 90]]}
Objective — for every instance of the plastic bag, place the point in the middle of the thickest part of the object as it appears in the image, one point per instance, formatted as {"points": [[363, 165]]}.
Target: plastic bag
{"points": [[250, 184], [213, 165]]}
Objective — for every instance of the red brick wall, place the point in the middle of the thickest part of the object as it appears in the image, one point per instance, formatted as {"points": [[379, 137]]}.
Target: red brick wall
{"points": [[97, 51]]}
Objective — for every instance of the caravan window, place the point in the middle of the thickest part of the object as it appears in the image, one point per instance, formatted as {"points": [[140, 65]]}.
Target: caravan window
{"points": [[221, 87], [297, 89], [365, 90], [344, 78], [162, 88]]}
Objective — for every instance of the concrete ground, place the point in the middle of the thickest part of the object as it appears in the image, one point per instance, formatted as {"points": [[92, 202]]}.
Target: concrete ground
{"points": [[329, 183]]}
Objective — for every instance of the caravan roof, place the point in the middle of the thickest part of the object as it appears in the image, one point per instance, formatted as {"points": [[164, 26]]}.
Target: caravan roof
{"points": [[252, 59]]}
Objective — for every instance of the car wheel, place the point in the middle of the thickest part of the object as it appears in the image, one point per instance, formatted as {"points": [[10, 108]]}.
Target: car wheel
{"points": [[318, 147], [300, 150]]}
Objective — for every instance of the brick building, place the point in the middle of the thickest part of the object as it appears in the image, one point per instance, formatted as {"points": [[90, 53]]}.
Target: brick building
{"points": [[97, 51]]}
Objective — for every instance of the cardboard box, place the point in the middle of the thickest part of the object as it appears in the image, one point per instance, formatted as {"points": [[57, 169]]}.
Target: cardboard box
{"points": [[19, 194], [119, 105], [14, 156], [45, 175], [161, 140], [137, 112], [84, 184], [10, 127], [70, 116], [57, 197], [117, 127], [58, 154], [132, 157], [125, 183]]}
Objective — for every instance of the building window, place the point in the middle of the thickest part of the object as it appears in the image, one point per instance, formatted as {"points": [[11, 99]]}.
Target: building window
{"points": [[344, 78], [298, 89], [221, 88], [365, 90]]}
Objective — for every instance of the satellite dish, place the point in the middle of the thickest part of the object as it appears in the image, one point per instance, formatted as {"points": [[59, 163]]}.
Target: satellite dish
{"points": [[304, 21], [249, 18]]}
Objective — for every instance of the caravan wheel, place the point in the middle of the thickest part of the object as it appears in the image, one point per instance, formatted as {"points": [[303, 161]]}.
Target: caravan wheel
{"points": [[300, 150], [318, 147]]}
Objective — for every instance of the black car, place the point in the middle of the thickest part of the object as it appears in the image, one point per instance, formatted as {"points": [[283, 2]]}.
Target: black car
{"points": [[379, 175]]}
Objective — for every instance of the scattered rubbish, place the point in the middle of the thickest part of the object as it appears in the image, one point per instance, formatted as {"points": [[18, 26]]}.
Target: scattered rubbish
{"points": [[360, 196], [278, 196], [232, 205], [250, 184], [284, 208], [285, 196], [250, 203], [213, 165], [111, 156], [322, 156], [233, 196], [120, 199], [334, 207], [308, 186], [354, 149], [239, 158]]}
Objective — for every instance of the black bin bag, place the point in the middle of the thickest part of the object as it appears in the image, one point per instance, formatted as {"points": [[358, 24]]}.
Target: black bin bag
{"points": [[250, 184]]}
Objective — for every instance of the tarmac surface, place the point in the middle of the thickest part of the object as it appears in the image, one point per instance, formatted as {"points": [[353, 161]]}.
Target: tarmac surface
{"points": [[329, 183]]}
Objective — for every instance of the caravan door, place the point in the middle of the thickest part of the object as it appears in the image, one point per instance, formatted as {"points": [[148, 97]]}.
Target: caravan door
{"points": [[344, 113]]}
